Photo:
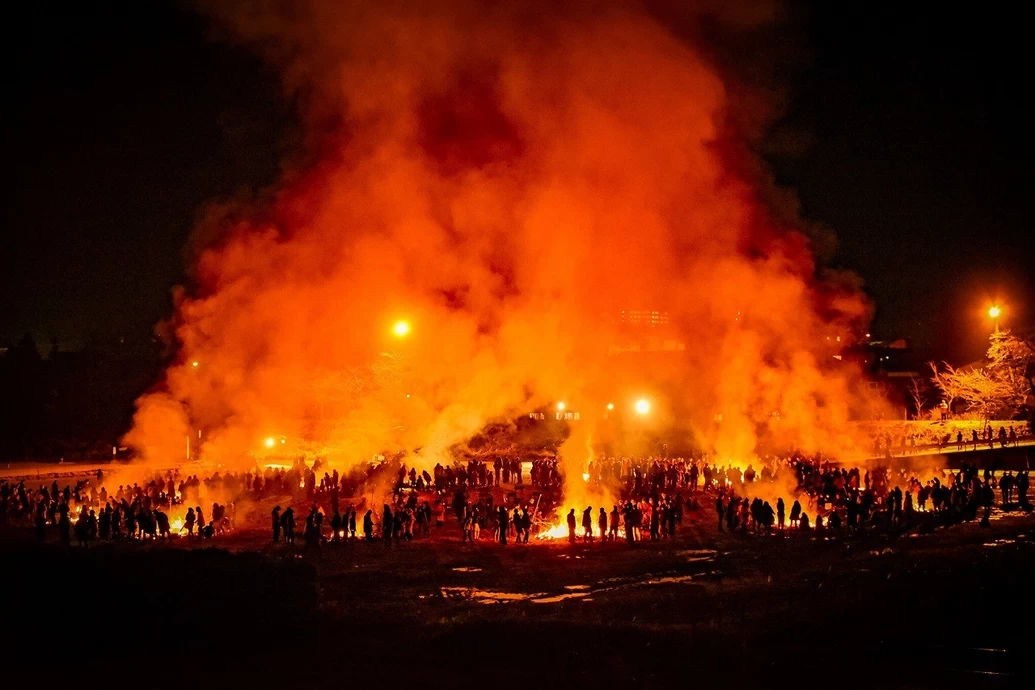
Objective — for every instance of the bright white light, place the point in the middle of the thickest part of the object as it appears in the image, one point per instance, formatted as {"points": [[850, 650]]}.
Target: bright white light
{"points": [[561, 406], [994, 312], [194, 363], [401, 329], [270, 442], [610, 406], [642, 406]]}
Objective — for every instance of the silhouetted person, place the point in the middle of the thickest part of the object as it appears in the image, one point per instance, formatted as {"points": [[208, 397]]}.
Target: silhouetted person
{"points": [[276, 523], [287, 523], [387, 525], [504, 520], [572, 522], [162, 520], [368, 525], [335, 526]]}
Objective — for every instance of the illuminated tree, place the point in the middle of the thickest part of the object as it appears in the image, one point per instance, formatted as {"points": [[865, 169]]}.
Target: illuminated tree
{"points": [[948, 382], [1003, 387], [1012, 363]]}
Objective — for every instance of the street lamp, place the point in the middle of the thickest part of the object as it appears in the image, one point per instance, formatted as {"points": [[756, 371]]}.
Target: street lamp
{"points": [[561, 406], [401, 329], [642, 406], [993, 313]]}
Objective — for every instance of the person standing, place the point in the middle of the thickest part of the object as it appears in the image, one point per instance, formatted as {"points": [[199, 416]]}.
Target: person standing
{"points": [[368, 525], [587, 523], [387, 526], [504, 518], [287, 525], [602, 524], [571, 526], [335, 527]]}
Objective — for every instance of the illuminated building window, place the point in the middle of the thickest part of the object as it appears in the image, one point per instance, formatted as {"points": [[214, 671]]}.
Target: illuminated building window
{"points": [[644, 317]]}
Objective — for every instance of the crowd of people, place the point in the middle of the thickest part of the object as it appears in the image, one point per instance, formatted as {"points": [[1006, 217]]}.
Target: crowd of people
{"points": [[648, 498], [912, 440]]}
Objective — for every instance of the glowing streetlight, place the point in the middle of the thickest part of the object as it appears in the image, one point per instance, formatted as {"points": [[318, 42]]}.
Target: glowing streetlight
{"points": [[561, 406], [270, 441], [642, 406], [194, 364], [993, 313], [401, 329], [610, 406]]}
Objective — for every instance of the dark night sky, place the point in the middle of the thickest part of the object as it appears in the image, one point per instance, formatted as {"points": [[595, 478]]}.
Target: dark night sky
{"points": [[124, 118]]}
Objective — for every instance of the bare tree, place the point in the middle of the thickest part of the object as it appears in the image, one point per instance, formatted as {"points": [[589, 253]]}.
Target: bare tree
{"points": [[918, 390]]}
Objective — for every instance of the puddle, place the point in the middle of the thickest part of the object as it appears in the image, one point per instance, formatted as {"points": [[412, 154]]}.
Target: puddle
{"points": [[581, 592], [464, 569], [560, 597], [675, 579], [487, 597], [697, 555]]}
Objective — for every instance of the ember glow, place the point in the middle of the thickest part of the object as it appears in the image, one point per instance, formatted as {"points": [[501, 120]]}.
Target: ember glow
{"points": [[549, 195]]}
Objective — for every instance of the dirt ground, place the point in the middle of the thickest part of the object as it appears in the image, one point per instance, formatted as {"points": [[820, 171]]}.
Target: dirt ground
{"points": [[948, 608]]}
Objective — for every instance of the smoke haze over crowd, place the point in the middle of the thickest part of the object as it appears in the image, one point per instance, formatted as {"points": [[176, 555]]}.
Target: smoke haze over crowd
{"points": [[508, 181]]}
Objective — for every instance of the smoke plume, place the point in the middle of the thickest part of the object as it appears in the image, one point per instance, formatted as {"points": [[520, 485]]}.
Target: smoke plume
{"points": [[554, 198]]}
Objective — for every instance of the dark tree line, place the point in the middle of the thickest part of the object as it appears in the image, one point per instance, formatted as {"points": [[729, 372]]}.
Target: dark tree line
{"points": [[70, 404]]}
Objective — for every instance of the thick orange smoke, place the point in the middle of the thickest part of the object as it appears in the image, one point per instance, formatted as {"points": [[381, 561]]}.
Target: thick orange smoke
{"points": [[507, 181]]}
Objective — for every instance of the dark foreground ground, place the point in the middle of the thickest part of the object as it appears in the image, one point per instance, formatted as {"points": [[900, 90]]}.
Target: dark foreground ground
{"points": [[953, 608]]}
